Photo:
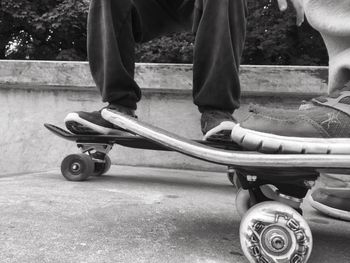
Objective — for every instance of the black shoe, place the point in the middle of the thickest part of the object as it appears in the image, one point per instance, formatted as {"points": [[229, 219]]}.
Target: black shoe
{"points": [[92, 123], [217, 125]]}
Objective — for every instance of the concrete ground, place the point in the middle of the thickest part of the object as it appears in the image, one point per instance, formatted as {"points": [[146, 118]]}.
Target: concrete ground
{"points": [[135, 215]]}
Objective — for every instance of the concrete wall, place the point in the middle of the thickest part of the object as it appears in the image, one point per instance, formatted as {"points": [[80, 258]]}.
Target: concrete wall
{"points": [[33, 92]]}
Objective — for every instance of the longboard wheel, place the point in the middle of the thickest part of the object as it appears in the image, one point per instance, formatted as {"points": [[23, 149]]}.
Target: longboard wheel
{"points": [[274, 232], [101, 168], [77, 167]]}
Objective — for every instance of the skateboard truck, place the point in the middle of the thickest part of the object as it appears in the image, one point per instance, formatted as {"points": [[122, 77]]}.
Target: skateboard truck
{"points": [[96, 147]]}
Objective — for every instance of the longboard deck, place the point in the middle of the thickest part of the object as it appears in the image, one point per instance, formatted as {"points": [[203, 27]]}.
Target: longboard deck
{"points": [[234, 158]]}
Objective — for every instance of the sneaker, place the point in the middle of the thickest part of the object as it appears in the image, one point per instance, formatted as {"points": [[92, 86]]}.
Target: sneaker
{"points": [[320, 126], [334, 202], [332, 180], [217, 125], [92, 123]]}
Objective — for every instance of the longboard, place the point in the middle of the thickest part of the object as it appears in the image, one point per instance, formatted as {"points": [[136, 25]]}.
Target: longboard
{"points": [[272, 185]]}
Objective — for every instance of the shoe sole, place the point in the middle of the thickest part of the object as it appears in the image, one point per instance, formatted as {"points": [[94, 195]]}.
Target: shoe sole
{"points": [[330, 211], [77, 125], [270, 143], [221, 133]]}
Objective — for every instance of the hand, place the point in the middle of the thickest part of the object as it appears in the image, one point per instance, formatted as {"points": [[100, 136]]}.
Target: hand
{"points": [[299, 8]]}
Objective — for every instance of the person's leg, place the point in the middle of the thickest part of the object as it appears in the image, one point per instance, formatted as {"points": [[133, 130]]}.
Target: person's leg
{"points": [[220, 32], [113, 28], [220, 28]]}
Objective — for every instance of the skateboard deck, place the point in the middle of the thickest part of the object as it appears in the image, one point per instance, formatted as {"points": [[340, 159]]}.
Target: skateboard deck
{"points": [[131, 141]]}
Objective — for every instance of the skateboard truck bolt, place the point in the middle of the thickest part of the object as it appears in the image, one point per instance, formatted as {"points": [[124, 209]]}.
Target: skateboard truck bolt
{"points": [[252, 178]]}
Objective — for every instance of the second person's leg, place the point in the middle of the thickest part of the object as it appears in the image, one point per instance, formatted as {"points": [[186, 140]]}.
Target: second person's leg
{"points": [[220, 28]]}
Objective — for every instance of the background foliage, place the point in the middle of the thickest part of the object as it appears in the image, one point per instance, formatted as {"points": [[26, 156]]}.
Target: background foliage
{"points": [[43, 29], [56, 30]]}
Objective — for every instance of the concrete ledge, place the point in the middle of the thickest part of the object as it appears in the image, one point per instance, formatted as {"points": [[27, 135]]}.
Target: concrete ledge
{"points": [[35, 92], [256, 80]]}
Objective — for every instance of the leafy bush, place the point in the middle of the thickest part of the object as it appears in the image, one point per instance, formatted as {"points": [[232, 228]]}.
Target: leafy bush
{"points": [[175, 48], [56, 30], [274, 38], [43, 29]]}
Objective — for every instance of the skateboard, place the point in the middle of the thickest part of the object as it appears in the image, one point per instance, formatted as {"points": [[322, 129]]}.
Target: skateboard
{"points": [[271, 186]]}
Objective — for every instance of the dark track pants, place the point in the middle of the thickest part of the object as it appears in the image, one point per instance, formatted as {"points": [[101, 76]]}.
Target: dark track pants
{"points": [[219, 25]]}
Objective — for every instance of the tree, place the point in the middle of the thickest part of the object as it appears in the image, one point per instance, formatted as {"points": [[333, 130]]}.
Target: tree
{"points": [[274, 38], [56, 30], [43, 29]]}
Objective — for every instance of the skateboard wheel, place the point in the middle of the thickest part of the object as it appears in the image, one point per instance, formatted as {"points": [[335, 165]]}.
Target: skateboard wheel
{"points": [[242, 202], [108, 164], [274, 232], [77, 167], [101, 168]]}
